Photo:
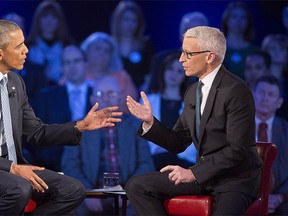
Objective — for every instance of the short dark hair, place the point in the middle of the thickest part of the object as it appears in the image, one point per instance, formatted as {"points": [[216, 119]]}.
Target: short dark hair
{"points": [[265, 55], [272, 80]]}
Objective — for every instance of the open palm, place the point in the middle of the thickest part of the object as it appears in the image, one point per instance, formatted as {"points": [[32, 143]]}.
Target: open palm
{"points": [[140, 111]]}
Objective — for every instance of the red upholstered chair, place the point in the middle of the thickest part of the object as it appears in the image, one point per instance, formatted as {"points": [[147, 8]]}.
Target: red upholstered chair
{"points": [[202, 205], [30, 207]]}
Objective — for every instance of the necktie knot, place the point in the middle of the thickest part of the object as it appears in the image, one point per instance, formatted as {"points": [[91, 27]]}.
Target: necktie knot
{"points": [[76, 92], [263, 125], [3, 82]]}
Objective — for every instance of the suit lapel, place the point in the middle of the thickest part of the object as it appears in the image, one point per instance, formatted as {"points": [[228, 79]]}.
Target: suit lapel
{"points": [[88, 104], [210, 102], [276, 131]]}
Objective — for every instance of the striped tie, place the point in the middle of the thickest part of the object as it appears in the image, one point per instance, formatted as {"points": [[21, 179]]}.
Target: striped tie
{"points": [[4, 150], [76, 106], [7, 133]]}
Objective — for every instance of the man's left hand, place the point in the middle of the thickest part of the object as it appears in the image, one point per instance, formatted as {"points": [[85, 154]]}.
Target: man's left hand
{"points": [[106, 117], [178, 174]]}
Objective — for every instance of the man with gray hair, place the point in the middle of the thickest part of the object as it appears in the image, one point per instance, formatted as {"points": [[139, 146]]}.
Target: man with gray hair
{"points": [[218, 117]]}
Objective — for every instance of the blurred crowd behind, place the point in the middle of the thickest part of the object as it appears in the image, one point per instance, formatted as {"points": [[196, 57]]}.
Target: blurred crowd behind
{"points": [[70, 59]]}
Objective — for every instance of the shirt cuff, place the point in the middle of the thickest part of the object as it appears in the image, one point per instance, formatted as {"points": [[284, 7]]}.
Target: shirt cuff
{"points": [[145, 130]]}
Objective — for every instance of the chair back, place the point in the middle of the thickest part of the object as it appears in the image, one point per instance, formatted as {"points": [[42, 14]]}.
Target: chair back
{"points": [[267, 152]]}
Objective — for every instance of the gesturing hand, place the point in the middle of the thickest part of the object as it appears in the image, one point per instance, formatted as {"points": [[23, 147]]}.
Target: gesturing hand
{"points": [[106, 117], [26, 172], [178, 174], [141, 111]]}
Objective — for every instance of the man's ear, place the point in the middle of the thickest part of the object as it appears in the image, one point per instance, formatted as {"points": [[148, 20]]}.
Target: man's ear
{"points": [[210, 57]]}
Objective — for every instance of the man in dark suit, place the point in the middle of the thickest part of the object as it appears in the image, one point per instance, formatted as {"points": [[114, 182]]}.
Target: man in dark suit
{"points": [[55, 194], [56, 104], [268, 99], [228, 165]]}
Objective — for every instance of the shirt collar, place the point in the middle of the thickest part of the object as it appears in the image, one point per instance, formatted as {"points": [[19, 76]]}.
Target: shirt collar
{"points": [[3, 75], [209, 78], [71, 87], [269, 122]]}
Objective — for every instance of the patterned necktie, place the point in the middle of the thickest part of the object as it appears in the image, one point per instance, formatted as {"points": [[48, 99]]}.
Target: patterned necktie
{"points": [[198, 106], [7, 133], [76, 107], [4, 150], [111, 150], [262, 132]]}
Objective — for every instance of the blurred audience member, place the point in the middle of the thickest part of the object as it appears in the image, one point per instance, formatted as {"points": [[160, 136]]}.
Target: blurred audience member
{"points": [[136, 49], [47, 36], [237, 26], [103, 60], [166, 106], [189, 20], [257, 64], [59, 104], [271, 128], [88, 161], [285, 18], [17, 18], [277, 46]]}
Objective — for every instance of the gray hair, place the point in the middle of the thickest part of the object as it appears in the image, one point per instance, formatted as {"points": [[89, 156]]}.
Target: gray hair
{"points": [[96, 37], [6, 27], [209, 38]]}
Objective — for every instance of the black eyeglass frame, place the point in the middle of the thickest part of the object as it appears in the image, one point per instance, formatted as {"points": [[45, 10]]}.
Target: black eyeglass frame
{"points": [[190, 54]]}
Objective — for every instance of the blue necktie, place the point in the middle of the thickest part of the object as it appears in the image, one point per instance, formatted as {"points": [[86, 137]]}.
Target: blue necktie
{"points": [[6, 116], [198, 106], [76, 107]]}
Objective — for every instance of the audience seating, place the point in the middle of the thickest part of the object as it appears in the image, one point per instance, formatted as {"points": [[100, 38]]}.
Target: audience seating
{"points": [[202, 205]]}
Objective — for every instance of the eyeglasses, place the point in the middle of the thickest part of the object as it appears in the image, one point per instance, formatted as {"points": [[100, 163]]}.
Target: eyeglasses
{"points": [[109, 94], [190, 54]]}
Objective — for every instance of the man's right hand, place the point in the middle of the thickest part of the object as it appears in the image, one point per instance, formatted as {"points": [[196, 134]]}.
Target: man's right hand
{"points": [[26, 171], [141, 111]]}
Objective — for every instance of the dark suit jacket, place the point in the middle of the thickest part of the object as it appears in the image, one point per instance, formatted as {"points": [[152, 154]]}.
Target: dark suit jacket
{"points": [[53, 106], [280, 169], [25, 123], [228, 158]]}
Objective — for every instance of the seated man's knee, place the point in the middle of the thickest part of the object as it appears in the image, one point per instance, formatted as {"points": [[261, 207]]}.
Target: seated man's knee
{"points": [[131, 184], [20, 193]]}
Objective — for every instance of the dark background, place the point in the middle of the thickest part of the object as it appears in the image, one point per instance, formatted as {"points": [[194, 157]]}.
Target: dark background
{"points": [[162, 17]]}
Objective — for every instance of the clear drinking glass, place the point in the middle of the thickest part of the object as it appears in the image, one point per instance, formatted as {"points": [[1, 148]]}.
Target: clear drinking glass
{"points": [[110, 179]]}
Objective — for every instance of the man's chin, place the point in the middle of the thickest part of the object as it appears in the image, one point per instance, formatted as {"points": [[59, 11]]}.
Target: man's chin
{"points": [[20, 67]]}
